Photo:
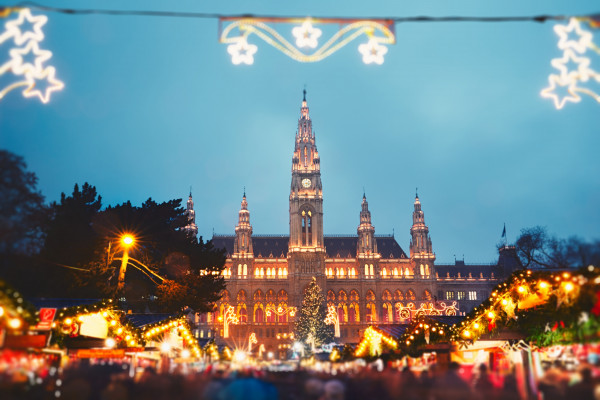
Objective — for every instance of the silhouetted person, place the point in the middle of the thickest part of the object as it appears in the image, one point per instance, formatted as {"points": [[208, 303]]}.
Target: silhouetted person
{"points": [[583, 390], [451, 386], [510, 390], [482, 385]]}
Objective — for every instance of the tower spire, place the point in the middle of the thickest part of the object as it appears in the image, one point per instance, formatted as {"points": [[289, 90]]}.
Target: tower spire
{"points": [[421, 251], [191, 228], [366, 230], [243, 231]]}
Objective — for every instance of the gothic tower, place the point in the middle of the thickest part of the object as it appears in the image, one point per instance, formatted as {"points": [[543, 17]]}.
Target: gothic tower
{"points": [[306, 192], [366, 231], [191, 228], [242, 246], [420, 244]]}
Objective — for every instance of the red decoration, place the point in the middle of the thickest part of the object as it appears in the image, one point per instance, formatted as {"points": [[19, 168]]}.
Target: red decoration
{"points": [[596, 308], [555, 327]]}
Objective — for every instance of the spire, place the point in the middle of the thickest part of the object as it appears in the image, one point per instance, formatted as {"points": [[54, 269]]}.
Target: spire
{"points": [[366, 230], [191, 228], [420, 244], [243, 231], [304, 91]]}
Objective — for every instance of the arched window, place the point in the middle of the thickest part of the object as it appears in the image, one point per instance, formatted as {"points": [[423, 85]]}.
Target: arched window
{"points": [[262, 272], [342, 310], [371, 313], [354, 295], [258, 295], [427, 295], [342, 272], [282, 296], [371, 270], [306, 227], [427, 270], [370, 296], [366, 269], [422, 270], [282, 317], [330, 295], [386, 295], [259, 314], [225, 296], [270, 295], [245, 270], [384, 272], [342, 296], [285, 272], [242, 313], [387, 313], [241, 296], [410, 295], [239, 269], [395, 272], [353, 313], [407, 272], [352, 272], [256, 272], [398, 295], [270, 311]]}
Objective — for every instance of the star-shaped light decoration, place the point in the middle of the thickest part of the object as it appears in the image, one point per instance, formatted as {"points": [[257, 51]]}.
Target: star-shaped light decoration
{"points": [[583, 71], [557, 80], [13, 28], [508, 305], [53, 84], [242, 52], [306, 35], [584, 317], [19, 67], [372, 52], [547, 327], [583, 41]]}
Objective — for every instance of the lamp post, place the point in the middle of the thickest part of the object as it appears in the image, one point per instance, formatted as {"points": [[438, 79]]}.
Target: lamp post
{"points": [[126, 242]]}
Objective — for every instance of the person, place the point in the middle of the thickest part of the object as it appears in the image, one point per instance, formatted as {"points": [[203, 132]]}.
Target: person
{"points": [[584, 389], [334, 390], [552, 383], [451, 386], [482, 385], [510, 390]]}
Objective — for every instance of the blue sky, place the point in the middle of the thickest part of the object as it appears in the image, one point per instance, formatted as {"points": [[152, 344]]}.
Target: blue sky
{"points": [[154, 105]]}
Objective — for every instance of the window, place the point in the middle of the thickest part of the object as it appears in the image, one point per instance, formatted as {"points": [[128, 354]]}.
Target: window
{"points": [[449, 295], [472, 295], [462, 295]]}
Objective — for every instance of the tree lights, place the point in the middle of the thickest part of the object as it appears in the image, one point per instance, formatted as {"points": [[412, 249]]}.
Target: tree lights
{"points": [[575, 42], [238, 30], [31, 74], [372, 343]]}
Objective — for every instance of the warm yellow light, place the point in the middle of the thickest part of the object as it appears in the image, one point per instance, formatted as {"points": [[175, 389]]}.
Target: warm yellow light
{"points": [[543, 285], [467, 334], [490, 315], [68, 321], [14, 323], [476, 325], [433, 329], [1, 311], [110, 343], [127, 240], [113, 322], [504, 302], [569, 287], [521, 289], [120, 330]]}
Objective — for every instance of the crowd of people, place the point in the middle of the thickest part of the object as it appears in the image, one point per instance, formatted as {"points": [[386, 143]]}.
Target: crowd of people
{"points": [[83, 381]]}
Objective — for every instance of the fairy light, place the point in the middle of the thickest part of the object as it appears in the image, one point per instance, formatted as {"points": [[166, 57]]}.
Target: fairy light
{"points": [[29, 73], [241, 51], [569, 80], [306, 35], [378, 30], [372, 52]]}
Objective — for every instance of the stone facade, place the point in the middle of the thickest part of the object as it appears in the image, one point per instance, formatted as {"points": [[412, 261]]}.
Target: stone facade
{"points": [[368, 278]]}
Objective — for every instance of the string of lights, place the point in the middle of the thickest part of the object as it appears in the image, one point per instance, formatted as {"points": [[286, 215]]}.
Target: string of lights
{"points": [[239, 28]]}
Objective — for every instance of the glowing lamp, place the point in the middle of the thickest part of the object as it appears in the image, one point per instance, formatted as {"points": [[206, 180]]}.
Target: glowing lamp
{"points": [[185, 354], [476, 325], [569, 287], [504, 302], [1, 311], [14, 323], [68, 321], [490, 315], [521, 289], [467, 334], [127, 240], [165, 347], [110, 343]]}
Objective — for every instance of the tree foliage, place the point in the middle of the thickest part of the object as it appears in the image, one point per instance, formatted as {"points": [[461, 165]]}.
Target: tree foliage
{"points": [[538, 249], [22, 208], [311, 322]]}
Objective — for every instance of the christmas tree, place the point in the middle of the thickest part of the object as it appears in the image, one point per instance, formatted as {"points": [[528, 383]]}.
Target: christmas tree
{"points": [[310, 327]]}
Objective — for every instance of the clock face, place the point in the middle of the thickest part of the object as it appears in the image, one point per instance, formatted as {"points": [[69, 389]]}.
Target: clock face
{"points": [[306, 182]]}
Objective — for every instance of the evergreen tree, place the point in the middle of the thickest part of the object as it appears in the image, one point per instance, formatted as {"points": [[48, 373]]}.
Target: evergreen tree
{"points": [[310, 327]]}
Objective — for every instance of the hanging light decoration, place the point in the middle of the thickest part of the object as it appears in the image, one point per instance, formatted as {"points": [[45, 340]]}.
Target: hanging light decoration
{"points": [[575, 42], [28, 74], [238, 30]]}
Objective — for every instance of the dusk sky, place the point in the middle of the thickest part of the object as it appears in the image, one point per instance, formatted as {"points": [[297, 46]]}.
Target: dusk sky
{"points": [[154, 105]]}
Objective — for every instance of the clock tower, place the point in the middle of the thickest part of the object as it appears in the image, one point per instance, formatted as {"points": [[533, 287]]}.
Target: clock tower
{"points": [[306, 192]]}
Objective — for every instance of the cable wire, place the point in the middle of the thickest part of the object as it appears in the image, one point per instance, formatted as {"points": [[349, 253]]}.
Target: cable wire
{"points": [[279, 18]]}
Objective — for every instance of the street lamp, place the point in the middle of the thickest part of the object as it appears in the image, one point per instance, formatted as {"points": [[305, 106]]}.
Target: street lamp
{"points": [[126, 242]]}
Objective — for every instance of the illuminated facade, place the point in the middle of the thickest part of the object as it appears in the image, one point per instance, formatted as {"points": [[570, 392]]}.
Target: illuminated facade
{"points": [[368, 278]]}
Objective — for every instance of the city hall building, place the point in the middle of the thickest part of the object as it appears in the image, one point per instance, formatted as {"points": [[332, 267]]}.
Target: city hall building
{"points": [[368, 278]]}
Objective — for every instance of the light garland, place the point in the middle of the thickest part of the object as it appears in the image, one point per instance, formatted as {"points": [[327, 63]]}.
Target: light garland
{"points": [[571, 79], [179, 325], [378, 32], [372, 342], [409, 311], [31, 73], [229, 317]]}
